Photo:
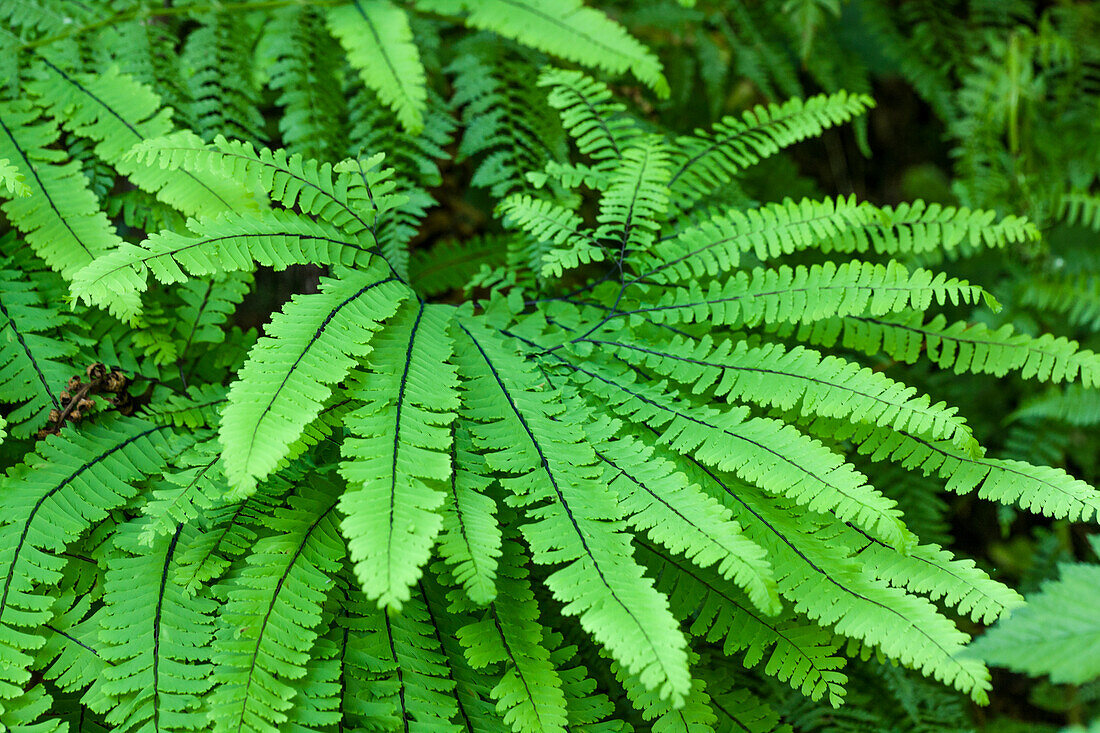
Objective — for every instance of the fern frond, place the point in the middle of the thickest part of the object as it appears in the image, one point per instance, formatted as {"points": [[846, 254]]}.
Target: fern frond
{"points": [[596, 123], [550, 223], [1075, 296], [230, 243], [154, 636], [1042, 489], [379, 45], [475, 708], [528, 692], [1081, 209], [470, 539], [960, 346], [568, 29], [835, 225], [1073, 404], [794, 379], [216, 64], [799, 653], [206, 307], [397, 455], [508, 126], [117, 113], [310, 344], [805, 295], [295, 47], [193, 488], [773, 455], [410, 672], [271, 616], [349, 195], [678, 515], [71, 483], [694, 714], [59, 217], [633, 206], [34, 364], [932, 571], [825, 585], [708, 159], [13, 180], [198, 407], [318, 700], [228, 530], [526, 434], [453, 263]]}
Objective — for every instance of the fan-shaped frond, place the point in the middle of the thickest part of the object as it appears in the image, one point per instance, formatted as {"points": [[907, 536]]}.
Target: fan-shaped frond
{"points": [[310, 345]]}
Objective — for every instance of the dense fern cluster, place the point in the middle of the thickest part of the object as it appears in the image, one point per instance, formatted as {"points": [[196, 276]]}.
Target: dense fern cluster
{"points": [[634, 443]]}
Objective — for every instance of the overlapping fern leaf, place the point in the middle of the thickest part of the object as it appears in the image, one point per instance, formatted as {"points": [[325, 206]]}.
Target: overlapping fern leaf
{"points": [[624, 466]]}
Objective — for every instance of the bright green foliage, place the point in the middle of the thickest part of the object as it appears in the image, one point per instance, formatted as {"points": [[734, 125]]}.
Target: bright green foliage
{"points": [[380, 46], [313, 344], [399, 451], [56, 212], [570, 419]]}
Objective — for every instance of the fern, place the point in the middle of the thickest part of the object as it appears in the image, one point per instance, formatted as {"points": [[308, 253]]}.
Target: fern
{"points": [[380, 46], [407, 381], [284, 382]]}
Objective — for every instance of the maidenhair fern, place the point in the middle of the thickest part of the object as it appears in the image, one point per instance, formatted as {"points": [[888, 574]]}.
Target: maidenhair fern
{"points": [[600, 451]]}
